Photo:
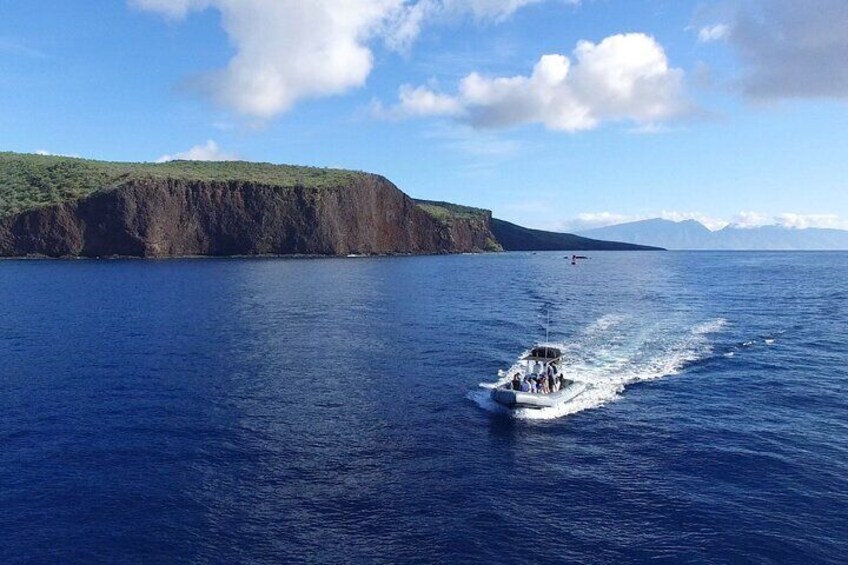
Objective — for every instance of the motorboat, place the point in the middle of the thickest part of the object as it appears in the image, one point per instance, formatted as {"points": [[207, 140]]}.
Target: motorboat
{"points": [[536, 381]]}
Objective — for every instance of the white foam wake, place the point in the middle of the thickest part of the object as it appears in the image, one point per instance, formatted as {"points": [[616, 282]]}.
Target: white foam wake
{"points": [[616, 351]]}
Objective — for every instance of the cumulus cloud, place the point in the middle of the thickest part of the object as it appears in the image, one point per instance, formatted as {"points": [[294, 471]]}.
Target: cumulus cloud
{"points": [[792, 48], [208, 151], [624, 77], [289, 50]]}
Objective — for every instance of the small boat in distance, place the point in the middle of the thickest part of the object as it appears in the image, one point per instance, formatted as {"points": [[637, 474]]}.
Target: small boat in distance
{"points": [[536, 381]]}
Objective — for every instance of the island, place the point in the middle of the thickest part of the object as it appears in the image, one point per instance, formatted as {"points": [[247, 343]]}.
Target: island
{"points": [[67, 207]]}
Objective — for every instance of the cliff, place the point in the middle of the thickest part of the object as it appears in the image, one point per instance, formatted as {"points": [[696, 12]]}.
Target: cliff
{"points": [[68, 207], [65, 207], [473, 226]]}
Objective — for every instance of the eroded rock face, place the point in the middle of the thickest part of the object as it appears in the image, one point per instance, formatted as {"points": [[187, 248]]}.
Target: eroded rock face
{"points": [[152, 218]]}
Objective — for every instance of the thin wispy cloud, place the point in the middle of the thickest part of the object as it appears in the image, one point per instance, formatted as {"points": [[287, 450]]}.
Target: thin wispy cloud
{"points": [[474, 143], [13, 47], [715, 32]]}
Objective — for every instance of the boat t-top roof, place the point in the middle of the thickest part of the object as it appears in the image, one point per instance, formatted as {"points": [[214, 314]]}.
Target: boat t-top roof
{"points": [[544, 353]]}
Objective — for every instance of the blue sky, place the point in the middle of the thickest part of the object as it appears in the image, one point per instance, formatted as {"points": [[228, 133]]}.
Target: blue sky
{"points": [[553, 113]]}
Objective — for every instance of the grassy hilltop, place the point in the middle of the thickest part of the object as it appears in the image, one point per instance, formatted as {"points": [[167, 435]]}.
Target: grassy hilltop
{"points": [[446, 210], [32, 181]]}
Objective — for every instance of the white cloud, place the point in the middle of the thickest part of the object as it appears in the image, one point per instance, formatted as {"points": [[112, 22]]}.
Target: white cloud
{"points": [[208, 151], [486, 9], [406, 23], [422, 101], [624, 77], [290, 50], [803, 221], [717, 32], [708, 221], [750, 220], [792, 48]]}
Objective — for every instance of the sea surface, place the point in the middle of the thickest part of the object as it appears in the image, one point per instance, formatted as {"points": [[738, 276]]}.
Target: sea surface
{"points": [[279, 411]]}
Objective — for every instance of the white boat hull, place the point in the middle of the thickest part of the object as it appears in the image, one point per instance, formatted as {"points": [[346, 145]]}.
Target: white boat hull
{"points": [[517, 399]]}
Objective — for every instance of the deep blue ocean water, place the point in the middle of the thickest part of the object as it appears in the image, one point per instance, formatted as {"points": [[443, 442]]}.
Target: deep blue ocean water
{"points": [[329, 410]]}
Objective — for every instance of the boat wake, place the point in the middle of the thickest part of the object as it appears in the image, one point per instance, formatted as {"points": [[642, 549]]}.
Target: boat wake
{"points": [[616, 351]]}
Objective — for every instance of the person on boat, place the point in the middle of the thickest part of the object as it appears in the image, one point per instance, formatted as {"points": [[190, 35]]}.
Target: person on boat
{"points": [[525, 385], [516, 381], [551, 382]]}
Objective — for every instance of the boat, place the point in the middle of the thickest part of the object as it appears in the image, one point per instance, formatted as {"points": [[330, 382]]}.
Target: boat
{"points": [[542, 363]]}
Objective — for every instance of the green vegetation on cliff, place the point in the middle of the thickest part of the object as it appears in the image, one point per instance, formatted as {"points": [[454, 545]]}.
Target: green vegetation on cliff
{"points": [[446, 210], [33, 181], [448, 214]]}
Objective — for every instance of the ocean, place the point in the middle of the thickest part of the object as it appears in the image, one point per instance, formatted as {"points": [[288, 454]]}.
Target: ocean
{"points": [[329, 410]]}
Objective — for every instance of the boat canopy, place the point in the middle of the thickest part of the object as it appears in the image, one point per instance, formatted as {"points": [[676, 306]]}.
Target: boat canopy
{"points": [[543, 353]]}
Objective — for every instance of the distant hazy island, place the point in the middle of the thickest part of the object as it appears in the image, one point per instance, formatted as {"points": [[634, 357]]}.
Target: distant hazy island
{"points": [[690, 234], [66, 207]]}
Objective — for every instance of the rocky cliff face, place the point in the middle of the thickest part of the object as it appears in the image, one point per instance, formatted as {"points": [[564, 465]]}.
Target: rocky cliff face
{"points": [[170, 217]]}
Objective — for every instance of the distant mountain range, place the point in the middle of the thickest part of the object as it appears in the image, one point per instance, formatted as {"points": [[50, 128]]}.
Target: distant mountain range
{"points": [[691, 234]]}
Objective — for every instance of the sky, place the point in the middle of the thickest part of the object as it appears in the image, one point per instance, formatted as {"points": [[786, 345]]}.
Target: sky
{"points": [[555, 114]]}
